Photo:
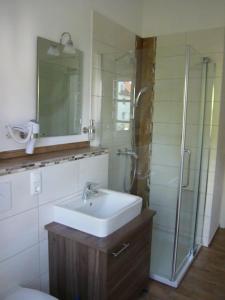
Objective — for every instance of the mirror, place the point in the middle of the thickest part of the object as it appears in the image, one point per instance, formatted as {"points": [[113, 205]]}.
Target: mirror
{"points": [[59, 89]]}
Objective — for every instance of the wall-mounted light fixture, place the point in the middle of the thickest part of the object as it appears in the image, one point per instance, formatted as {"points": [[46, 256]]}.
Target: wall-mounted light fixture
{"points": [[67, 42], [53, 50]]}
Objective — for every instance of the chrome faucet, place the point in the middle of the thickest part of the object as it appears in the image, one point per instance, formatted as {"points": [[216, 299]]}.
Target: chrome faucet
{"points": [[90, 189]]}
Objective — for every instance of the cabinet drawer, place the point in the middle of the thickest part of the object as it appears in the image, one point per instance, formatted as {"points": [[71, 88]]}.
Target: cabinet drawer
{"points": [[132, 284], [124, 257]]}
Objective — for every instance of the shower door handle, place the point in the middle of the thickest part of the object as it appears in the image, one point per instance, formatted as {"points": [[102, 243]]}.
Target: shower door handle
{"points": [[188, 152]]}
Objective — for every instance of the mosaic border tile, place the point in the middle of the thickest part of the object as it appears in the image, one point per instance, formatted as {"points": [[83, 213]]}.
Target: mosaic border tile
{"points": [[50, 162]]}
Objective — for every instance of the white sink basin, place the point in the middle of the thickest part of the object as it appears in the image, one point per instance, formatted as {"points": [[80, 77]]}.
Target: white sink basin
{"points": [[100, 215]]}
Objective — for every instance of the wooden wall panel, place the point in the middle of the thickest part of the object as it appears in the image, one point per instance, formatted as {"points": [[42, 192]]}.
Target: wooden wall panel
{"points": [[145, 77]]}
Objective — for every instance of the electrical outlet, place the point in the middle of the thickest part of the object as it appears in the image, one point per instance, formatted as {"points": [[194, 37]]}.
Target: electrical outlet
{"points": [[35, 183]]}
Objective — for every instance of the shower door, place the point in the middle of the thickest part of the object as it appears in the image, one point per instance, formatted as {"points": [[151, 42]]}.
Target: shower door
{"points": [[191, 156]]}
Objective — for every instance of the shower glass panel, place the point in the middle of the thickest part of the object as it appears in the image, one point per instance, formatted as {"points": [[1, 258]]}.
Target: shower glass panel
{"points": [[178, 131], [166, 155], [176, 152], [117, 72], [191, 154]]}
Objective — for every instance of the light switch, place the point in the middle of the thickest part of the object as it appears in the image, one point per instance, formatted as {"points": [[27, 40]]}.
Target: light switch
{"points": [[5, 196], [35, 182]]}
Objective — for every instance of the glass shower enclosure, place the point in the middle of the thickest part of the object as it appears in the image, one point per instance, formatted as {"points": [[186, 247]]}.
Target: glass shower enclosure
{"points": [[176, 175], [176, 181]]}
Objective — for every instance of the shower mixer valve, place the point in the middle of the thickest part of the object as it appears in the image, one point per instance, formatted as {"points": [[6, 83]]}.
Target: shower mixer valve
{"points": [[127, 152]]}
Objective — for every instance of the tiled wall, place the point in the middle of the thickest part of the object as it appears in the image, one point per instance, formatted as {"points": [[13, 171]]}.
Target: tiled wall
{"points": [[23, 239], [170, 62], [112, 60], [210, 43]]}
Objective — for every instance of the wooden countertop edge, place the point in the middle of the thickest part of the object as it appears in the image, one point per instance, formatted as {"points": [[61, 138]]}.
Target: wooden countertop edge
{"points": [[20, 153], [107, 243]]}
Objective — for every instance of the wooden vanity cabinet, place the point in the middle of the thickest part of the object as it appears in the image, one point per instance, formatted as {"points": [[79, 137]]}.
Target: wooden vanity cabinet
{"points": [[85, 267]]}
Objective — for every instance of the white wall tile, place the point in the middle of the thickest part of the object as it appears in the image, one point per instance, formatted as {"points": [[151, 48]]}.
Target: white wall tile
{"points": [[170, 67], [91, 169], [194, 113], [165, 175], [96, 109], [107, 110], [21, 198], [5, 196], [214, 83], [96, 89], [212, 160], [215, 65], [167, 112], [208, 205], [59, 181], [108, 61], [166, 133], [212, 113], [201, 208], [163, 196], [46, 216], [24, 244], [210, 140], [18, 233], [169, 90], [194, 90], [164, 218], [94, 169], [169, 50], [167, 155], [44, 263], [45, 283], [116, 175], [107, 83], [21, 269]]}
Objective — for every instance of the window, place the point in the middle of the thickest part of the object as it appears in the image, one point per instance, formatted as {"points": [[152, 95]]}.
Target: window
{"points": [[123, 100]]}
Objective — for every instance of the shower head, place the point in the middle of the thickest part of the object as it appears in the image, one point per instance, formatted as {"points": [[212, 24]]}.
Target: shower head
{"points": [[206, 60], [140, 93]]}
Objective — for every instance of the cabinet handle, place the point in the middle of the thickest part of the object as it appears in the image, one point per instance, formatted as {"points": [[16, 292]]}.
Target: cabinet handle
{"points": [[124, 247]]}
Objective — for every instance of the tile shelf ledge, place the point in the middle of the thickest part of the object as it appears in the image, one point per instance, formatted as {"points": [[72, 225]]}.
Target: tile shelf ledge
{"points": [[15, 165]]}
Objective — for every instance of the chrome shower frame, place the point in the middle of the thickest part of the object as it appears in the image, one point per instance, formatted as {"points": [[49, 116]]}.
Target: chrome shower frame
{"points": [[178, 272], [183, 137]]}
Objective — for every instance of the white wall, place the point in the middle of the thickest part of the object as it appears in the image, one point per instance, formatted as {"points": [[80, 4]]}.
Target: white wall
{"points": [[21, 21], [220, 165], [24, 244], [222, 211], [171, 16]]}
